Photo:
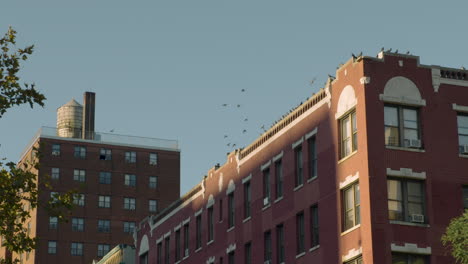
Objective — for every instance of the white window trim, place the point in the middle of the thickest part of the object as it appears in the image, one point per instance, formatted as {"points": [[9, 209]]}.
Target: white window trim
{"points": [[406, 173], [460, 108], [246, 179], [231, 248], [265, 166], [349, 110], [411, 248], [210, 202], [311, 133], [210, 260], [231, 187], [167, 234], [297, 143], [352, 253], [349, 180], [197, 213], [402, 100], [278, 157], [186, 221], [177, 227]]}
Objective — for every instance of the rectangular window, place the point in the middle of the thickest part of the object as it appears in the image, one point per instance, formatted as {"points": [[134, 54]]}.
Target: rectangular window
{"points": [[267, 251], [79, 175], [76, 249], [231, 210], [220, 210], [54, 197], [53, 222], [402, 258], [104, 201], [462, 121], [129, 203], [358, 260], [105, 177], [130, 157], [402, 127], [247, 198], [153, 159], [103, 249], [129, 227], [299, 180], [52, 247], [465, 197], [79, 199], [314, 226], [143, 258], [300, 232], [231, 259], [351, 206], [153, 205], [105, 154], [248, 253], [177, 245], [104, 226], [279, 179], [198, 232], [77, 224], [186, 240], [55, 149], [280, 243], [167, 250], [159, 253], [130, 180], [153, 182], [55, 175], [406, 200], [311, 142], [210, 224], [348, 132], [80, 152], [266, 187]]}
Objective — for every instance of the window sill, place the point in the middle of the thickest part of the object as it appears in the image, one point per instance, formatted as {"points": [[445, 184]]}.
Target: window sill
{"points": [[198, 249], [396, 222], [278, 199], [300, 255], [463, 156], [347, 157], [210, 242], [266, 206], [351, 229], [246, 219], [298, 187], [405, 149], [314, 248], [312, 179], [230, 229]]}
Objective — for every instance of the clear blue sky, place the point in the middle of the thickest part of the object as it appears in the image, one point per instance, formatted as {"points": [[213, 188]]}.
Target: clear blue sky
{"points": [[164, 68]]}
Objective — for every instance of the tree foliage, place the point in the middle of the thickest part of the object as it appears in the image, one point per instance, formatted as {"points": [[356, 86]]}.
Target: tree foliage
{"points": [[12, 93], [456, 238], [19, 185]]}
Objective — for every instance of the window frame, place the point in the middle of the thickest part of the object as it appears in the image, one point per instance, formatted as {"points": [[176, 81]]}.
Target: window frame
{"points": [[128, 226], [403, 186], [52, 250], [177, 245], [153, 182], [186, 240], [351, 117], [130, 180], [130, 156], [460, 135], [280, 248], [129, 203], [312, 149], [78, 224], [279, 183], [103, 249], [106, 201], [210, 219], [247, 199], [267, 247], [53, 222], [198, 231], [153, 159], [231, 210], [79, 152], [103, 226], [300, 233], [105, 177], [76, 249], [401, 126], [356, 207], [314, 226], [299, 166], [56, 149], [55, 173], [152, 207], [105, 154], [79, 175]]}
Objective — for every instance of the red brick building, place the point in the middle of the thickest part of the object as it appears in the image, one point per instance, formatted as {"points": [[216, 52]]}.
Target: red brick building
{"points": [[120, 180], [368, 170]]}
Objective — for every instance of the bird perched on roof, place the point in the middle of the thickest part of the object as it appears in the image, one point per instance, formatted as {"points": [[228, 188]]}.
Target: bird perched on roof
{"points": [[225, 104], [245, 120], [243, 131], [243, 90], [238, 105], [225, 136], [407, 52]]}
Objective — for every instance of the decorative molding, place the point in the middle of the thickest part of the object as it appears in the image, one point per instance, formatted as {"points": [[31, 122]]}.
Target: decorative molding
{"points": [[365, 80], [349, 180], [210, 202], [144, 245], [177, 227], [402, 100], [435, 79], [460, 108], [343, 113], [231, 187], [265, 166], [347, 101], [311, 133], [159, 240], [231, 248], [246, 179], [197, 213], [297, 143], [220, 182], [411, 248], [406, 173], [278, 157], [210, 260], [186, 221], [352, 253], [167, 234]]}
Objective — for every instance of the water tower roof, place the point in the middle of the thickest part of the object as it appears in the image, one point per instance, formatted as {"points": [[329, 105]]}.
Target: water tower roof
{"points": [[72, 102]]}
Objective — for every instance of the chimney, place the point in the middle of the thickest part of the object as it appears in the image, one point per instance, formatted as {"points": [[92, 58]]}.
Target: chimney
{"points": [[89, 100]]}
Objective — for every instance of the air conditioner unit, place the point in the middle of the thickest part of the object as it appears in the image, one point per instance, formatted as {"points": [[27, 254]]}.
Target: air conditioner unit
{"points": [[266, 201], [55, 153], [417, 218], [186, 252], [464, 149], [154, 163], [412, 143]]}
